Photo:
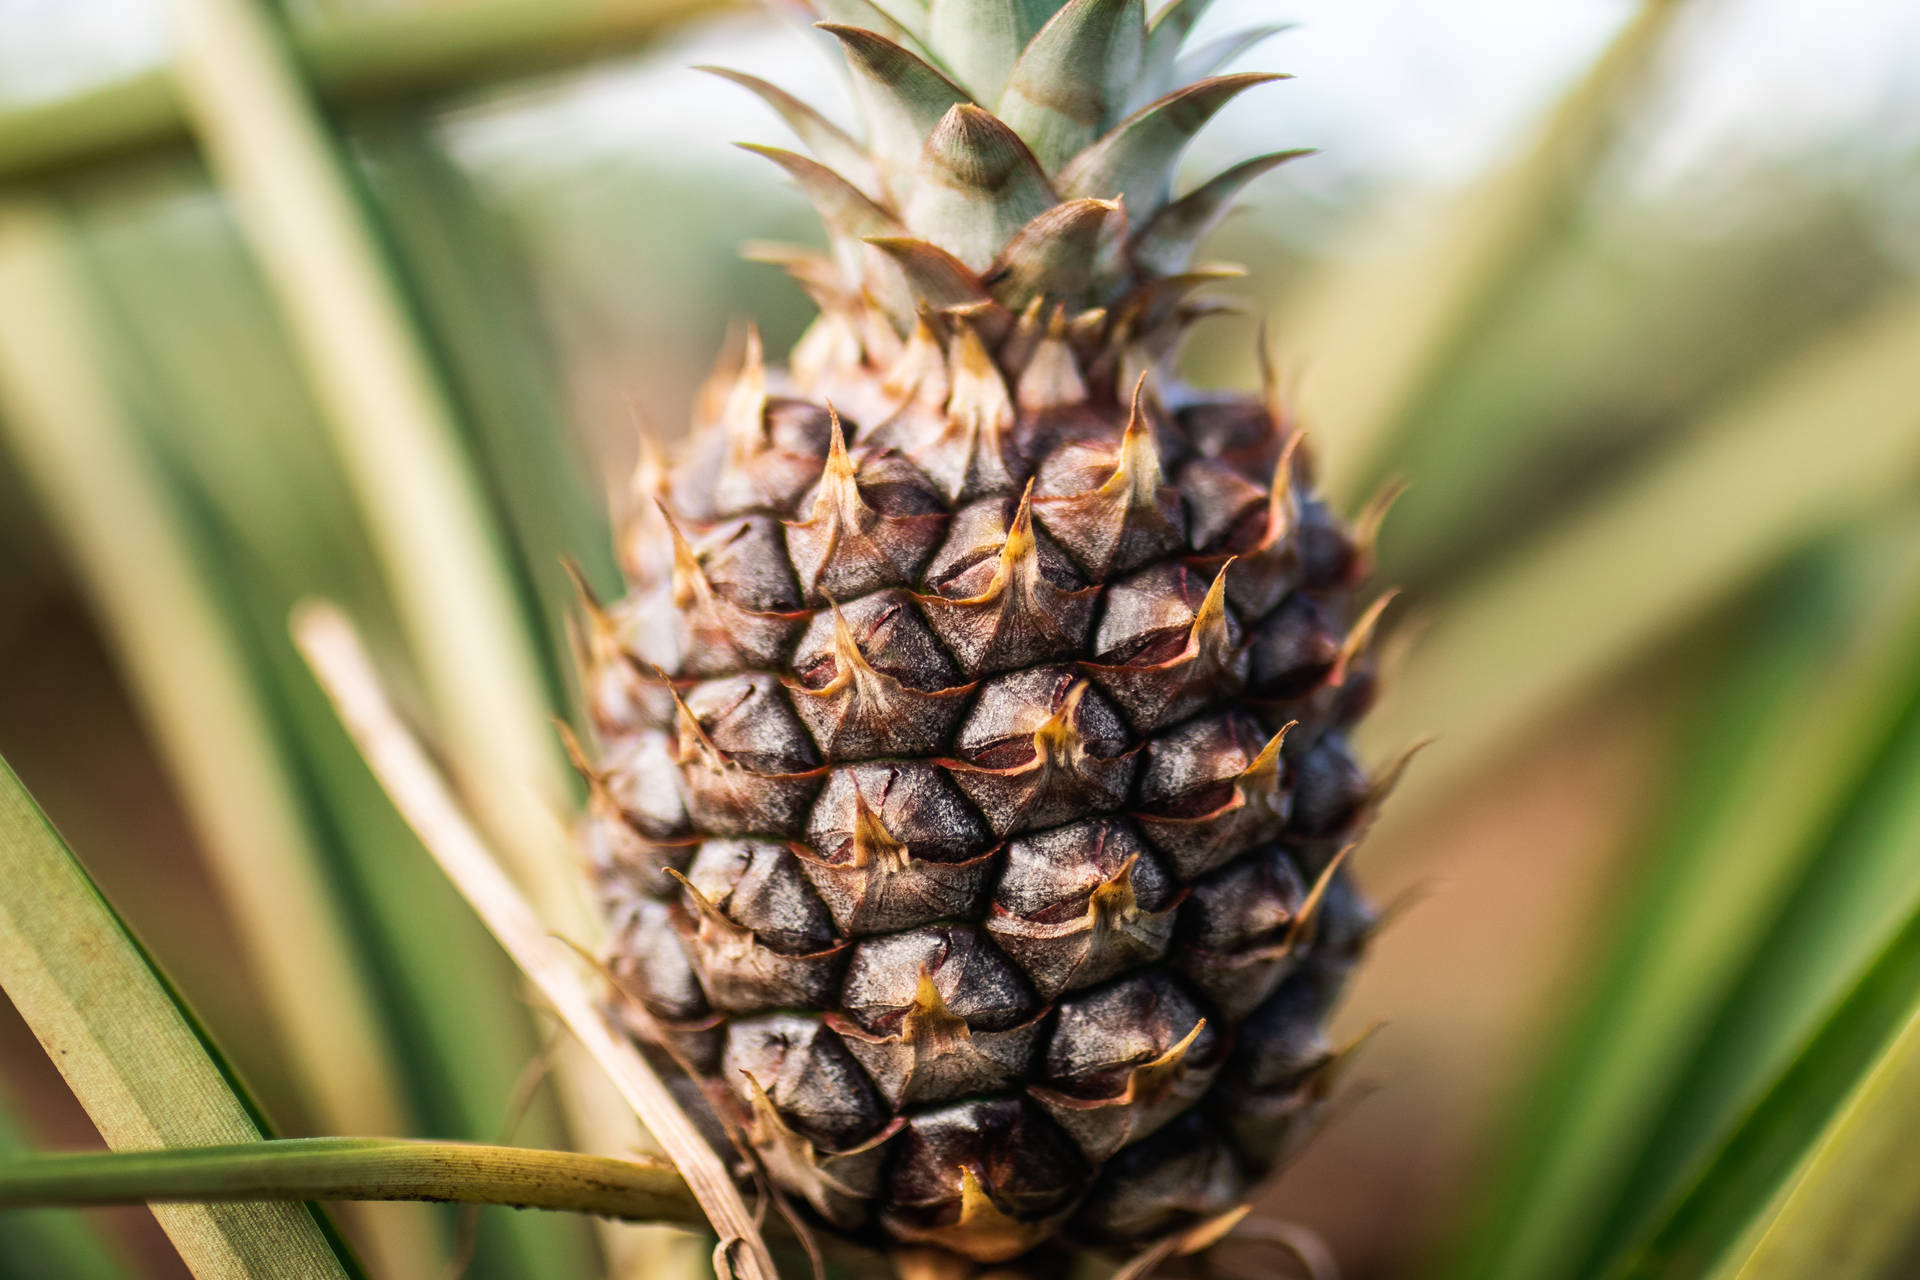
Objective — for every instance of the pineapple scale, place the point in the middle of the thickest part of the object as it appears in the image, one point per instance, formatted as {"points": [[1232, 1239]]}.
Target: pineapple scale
{"points": [[973, 784]]}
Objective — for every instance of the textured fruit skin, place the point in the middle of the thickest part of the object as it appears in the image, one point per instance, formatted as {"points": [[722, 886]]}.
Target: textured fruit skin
{"points": [[973, 780]]}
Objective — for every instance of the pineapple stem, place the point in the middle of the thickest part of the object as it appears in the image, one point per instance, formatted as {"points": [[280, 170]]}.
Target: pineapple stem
{"points": [[643, 1188]]}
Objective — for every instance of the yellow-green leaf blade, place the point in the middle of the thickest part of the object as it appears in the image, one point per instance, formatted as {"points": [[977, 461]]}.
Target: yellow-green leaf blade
{"points": [[1370, 383], [357, 56], [1788, 723], [1818, 1119], [1850, 1209], [1820, 992], [1637, 565], [152, 572], [392, 422], [295, 1169], [129, 1053]]}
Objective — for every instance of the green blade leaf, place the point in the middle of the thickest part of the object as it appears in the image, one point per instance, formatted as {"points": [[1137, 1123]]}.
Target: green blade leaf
{"points": [[976, 184], [135, 543], [392, 422], [358, 56], [913, 14], [1135, 161], [871, 17], [1569, 607], [904, 96], [1857, 886], [1850, 1207], [830, 144], [480, 305], [1215, 54], [980, 40], [1166, 244], [935, 276], [1788, 726], [130, 1053], [1838, 1117], [1074, 80], [1053, 255], [1371, 377], [1165, 34], [390, 1007], [847, 213], [311, 1169]]}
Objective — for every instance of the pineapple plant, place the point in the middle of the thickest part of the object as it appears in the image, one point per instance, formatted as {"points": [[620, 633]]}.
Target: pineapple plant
{"points": [[943, 922], [973, 783]]}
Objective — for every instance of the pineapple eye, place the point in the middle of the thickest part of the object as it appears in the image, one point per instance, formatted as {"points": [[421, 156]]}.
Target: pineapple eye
{"points": [[818, 673], [1154, 647], [1007, 753], [948, 583]]}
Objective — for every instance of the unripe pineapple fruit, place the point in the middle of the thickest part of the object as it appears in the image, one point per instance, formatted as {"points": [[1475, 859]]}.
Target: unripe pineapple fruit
{"points": [[973, 779]]}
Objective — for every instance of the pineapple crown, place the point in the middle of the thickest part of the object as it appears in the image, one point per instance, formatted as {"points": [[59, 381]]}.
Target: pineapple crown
{"points": [[1016, 177]]}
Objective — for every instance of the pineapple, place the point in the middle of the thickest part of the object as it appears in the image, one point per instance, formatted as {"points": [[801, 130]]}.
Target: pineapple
{"points": [[974, 781]]}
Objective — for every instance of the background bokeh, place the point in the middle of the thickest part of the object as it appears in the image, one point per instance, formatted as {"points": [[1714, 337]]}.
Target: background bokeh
{"points": [[1627, 292]]}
